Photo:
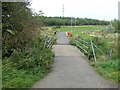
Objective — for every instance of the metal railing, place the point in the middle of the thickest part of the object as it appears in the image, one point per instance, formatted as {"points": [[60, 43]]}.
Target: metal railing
{"points": [[48, 42], [85, 47]]}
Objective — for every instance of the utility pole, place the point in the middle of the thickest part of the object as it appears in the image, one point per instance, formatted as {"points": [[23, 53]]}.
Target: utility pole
{"points": [[63, 11], [71, 24], [75, 23]]}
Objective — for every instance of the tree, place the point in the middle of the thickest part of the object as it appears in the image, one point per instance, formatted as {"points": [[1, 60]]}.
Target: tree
{"points": [[19, 26], [116, 25]]}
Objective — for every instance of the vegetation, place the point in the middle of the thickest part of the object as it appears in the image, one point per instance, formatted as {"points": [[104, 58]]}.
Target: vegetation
{"points": [[116, 25], [108, 68], [79, 29], [27, 65], [24, 58], [19, 26]]}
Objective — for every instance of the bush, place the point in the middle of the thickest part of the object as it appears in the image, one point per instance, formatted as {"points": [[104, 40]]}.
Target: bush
{"points": [[34, 61], [56, 27], [19, 27], [116, 25]]}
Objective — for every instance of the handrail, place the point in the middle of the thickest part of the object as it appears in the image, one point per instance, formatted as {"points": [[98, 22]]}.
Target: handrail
{"points": [[48, 42], [93, 50], [84, 41], [82, 45], [99, 49]]}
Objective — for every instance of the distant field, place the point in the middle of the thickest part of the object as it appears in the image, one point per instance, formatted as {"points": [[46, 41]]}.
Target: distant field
{"points": [[81, 28]]}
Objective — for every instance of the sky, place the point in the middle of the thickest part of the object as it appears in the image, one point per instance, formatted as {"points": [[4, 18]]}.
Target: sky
{"points": [[96, 9]]}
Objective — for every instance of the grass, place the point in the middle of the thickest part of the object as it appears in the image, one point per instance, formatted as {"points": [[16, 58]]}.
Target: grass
{"points": [[79, 33], [22, 78], [28, 65], [80, 28], [108, 69], [47, 31]]}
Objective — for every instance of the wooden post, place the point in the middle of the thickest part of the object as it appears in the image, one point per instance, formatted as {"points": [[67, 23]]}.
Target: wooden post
{"points": [[93, 50]]}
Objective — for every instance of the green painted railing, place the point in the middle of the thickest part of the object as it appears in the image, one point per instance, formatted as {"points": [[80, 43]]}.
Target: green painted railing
{"points": [[85, 47], [48, 42]]}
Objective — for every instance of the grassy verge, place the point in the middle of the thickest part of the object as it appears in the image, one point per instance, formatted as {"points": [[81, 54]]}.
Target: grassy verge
{"points": [[108, 68], [28, 65]]}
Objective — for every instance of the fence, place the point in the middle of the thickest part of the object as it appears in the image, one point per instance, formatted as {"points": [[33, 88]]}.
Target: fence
{"points": [[87, 46], [48, 42]]}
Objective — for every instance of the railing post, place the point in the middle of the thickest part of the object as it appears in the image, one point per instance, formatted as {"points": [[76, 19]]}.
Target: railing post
{"points": [[110, 53], [48, 42], [45, 41], [93, 50], [88, 51]]}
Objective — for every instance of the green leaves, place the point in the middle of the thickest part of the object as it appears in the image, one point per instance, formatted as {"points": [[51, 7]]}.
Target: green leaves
{"points": [[27, 65], [30, 61], [108, 68], [116, 25], [19, 26]]}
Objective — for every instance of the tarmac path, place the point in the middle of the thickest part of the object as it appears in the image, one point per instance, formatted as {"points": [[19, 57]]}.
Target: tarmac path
{"points": [[71, 69]]}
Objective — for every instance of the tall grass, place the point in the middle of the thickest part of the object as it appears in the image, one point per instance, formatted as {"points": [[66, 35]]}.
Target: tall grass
{"points": [[108, 68]]}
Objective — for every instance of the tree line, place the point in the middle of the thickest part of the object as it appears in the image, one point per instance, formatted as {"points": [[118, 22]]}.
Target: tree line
{"points": [[52, 21]]}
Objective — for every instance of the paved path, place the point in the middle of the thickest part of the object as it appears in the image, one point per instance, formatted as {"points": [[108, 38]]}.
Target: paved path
{"points": [[71, 69], [62, 39]]}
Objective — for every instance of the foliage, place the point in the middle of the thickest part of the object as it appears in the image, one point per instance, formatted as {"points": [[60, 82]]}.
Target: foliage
{"points": [[116, 25], [108, 68], [19, 26], [27, 65], [24, 58]]}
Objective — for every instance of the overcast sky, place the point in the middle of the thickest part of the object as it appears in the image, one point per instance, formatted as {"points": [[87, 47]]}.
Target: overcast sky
{"points": [[96, 9]]}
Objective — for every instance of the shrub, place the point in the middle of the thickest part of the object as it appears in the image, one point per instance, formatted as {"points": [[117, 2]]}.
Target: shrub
{"points": [[33, 61]]}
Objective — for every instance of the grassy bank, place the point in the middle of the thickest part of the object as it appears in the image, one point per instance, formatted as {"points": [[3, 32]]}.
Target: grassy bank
{"points": [[108, 68], [106, 41], [28, 65]]}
